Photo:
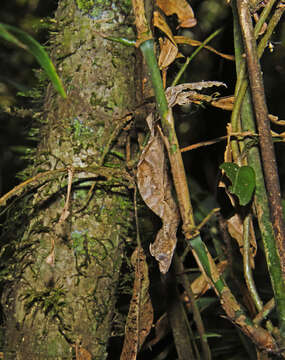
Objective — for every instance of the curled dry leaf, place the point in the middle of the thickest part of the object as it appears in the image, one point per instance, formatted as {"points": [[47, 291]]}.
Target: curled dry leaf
{"points": [[160, 22], [225, 103], [200, 285], [181, 8], [176, 95], [168, 53], [140, 316], [155, 185], [235, 228]]}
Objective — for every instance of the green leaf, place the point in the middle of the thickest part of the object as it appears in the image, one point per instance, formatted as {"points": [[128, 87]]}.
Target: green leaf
{"points": [[242, 179], [25, 41]]}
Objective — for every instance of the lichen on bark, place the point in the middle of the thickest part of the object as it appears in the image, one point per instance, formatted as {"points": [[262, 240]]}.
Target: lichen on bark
{"points": [[53, 306]]}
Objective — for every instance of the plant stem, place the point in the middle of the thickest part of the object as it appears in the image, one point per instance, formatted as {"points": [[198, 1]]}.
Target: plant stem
{"points": [[191, 57], [179, 269], [269, 163]]}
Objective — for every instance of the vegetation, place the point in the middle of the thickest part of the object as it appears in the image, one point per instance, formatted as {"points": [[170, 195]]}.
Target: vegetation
{"points": [[147, 220]]}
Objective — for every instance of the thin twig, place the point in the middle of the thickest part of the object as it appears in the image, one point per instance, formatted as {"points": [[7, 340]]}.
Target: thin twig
{"points": [[191, 57], [214, 141]]}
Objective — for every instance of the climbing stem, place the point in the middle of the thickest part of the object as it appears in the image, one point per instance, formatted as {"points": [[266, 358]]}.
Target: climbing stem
{"points": [[276, 264], [232, 308], [191, 57]]}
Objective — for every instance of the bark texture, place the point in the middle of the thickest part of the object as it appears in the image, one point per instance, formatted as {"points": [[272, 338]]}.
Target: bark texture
{"points": [[59, 288]]}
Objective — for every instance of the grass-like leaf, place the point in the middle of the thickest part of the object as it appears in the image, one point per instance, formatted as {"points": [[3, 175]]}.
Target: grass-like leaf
{"points": [[25, 41]]}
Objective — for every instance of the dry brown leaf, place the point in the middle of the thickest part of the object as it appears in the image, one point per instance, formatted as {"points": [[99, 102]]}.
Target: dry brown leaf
{"points": [[177, 95], [276, 120], [191, 42], [168, 53], [225, 103], [181, 8], [140, 316], [227, 158], [235, 229], [200, 285], [160, 22], [154, 185]]}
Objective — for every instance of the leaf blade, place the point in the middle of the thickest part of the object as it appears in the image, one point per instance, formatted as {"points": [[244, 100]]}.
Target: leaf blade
{"points": [[242, 179], [23, 40]]}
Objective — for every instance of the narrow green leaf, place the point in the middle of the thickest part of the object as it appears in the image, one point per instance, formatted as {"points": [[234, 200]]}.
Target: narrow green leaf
{"points": [[22, 39], [209, 335], [242, 179], [11, 38]]}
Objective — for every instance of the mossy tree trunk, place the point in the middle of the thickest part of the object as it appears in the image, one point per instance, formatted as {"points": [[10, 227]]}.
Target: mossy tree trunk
{"points": [[59, 292]]}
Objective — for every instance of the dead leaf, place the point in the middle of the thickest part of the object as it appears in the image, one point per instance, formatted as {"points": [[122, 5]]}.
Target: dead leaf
{"points": [[276, 120], [177, 95], [160, 22], [227, 158], [225, 103], [154, 185], [191, 42], [140, 316], [181, 8], [200, 285], [235, 229], [168, 53]]}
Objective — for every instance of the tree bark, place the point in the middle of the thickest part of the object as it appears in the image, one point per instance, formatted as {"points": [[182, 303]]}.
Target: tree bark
{"points": [[59, 295]]}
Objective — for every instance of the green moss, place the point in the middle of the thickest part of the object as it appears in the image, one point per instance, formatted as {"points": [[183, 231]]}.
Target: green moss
{"points": [[78, 242], [96, 101], [85, 5], [95, 7], [51, 301]]}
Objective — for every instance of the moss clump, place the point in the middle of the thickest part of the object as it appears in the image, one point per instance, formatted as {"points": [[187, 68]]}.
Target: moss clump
{"points": [[85, 5], [95, 7]]}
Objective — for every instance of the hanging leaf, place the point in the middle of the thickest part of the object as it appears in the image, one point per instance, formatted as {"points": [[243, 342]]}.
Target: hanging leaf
{"points": [[154, 185], [181, 8], [140, 316], [160, 22], [235, 228], [25, 41], [242, 179], [168, 53]]}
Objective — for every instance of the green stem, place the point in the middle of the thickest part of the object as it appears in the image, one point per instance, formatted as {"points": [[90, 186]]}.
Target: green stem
{"points": [[229, 303], [242, 82], [147, 48], [179, 270], [191, 57], [260, 199]]}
